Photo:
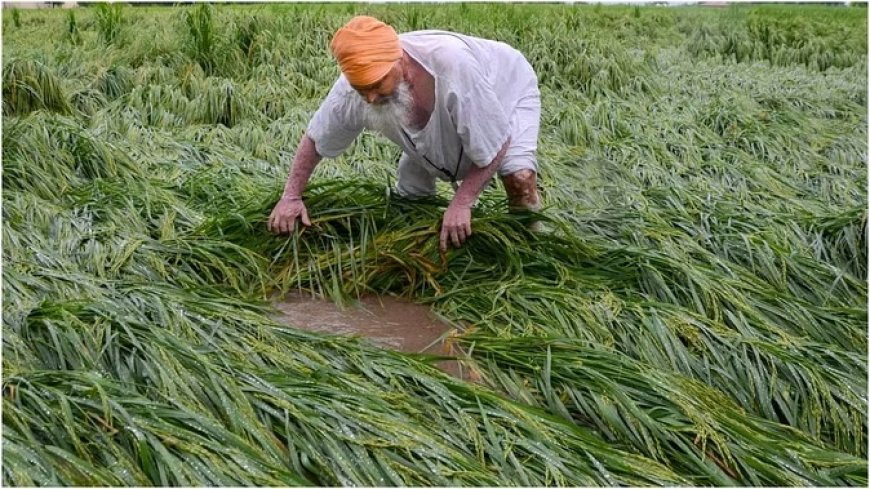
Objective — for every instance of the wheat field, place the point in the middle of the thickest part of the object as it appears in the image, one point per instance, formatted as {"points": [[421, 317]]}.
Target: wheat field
{"points": [[694, 313]]}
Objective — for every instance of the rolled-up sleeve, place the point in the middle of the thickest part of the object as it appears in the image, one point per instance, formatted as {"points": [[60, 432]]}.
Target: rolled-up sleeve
{"points": [[337, 122]]}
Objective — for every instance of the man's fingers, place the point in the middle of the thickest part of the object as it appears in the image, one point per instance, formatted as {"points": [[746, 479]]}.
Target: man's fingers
{"points": [[456, 237], [283, 218], [466, 232], [455, 229], [275, 224]]}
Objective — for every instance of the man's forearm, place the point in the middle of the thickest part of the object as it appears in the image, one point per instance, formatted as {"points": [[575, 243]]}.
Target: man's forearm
{"points": [[304, 162], [477, 178]]}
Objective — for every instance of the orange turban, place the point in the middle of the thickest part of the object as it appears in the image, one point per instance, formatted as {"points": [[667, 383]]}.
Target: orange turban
{"points": [[366, 50]]}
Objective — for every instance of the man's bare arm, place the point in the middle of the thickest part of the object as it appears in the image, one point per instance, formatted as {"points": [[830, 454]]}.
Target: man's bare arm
{"points": [[290, 207], [456, 224]]}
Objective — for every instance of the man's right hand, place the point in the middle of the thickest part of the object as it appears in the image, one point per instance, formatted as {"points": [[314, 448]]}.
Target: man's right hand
{"points": [[284, 215]]}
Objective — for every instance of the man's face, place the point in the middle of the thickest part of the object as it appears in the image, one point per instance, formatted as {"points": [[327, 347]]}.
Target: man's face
{"points": [[390, 112], [382, 91], [388, 102]]}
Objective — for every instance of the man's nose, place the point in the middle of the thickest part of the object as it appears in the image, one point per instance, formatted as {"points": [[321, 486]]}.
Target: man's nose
{"points": [[372, 97]]}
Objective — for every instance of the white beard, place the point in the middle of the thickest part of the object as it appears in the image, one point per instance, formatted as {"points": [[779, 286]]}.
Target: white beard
{"points": [[391, 115]]}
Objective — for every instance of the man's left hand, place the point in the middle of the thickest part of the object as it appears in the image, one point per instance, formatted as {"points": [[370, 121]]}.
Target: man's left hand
{"points": [[456, 225]]}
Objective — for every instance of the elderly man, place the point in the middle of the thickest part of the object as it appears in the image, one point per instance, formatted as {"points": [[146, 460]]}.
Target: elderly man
{"points": [[461, 108]]}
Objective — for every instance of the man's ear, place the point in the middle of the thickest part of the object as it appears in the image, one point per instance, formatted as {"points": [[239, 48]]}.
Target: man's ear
{"points": [[405, 66]]}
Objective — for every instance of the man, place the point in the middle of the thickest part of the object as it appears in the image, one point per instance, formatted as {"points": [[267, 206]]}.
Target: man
{"points": [[461, 108]]}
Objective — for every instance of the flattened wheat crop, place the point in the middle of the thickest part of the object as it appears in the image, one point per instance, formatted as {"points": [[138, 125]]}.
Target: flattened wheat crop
{"points": [[694, 313]]}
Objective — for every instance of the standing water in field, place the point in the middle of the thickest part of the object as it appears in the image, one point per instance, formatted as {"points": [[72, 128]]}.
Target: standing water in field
{"points": [[383, 320]]}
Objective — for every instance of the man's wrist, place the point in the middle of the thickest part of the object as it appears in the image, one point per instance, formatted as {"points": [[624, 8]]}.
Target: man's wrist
{"points": [[461, 204], [291, 198], [464, 198]]}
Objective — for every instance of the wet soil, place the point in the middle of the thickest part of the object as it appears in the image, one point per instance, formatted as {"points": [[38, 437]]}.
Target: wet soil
{"points": [[383, 320]]}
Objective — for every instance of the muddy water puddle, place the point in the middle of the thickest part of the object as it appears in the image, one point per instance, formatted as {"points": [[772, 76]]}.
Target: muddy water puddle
{"points": [[385, 321]]}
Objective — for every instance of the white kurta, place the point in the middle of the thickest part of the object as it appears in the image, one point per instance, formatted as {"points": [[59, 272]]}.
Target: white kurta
{"points": [[485, 91]]}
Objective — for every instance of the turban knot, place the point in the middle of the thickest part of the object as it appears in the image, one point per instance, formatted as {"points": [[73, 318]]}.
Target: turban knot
{"points": [[366, 50]]}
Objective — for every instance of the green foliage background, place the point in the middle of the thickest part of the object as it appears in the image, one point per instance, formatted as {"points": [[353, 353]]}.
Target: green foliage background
{"points": [[695, 314]]}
